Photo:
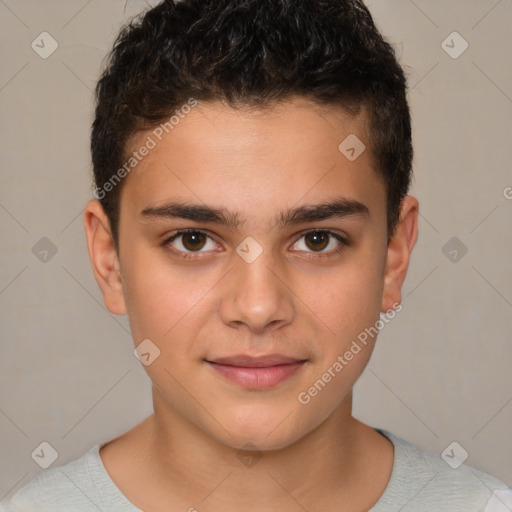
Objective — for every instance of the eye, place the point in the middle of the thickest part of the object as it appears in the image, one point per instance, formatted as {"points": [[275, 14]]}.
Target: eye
{"points": [[317, 241], [190, 241]]}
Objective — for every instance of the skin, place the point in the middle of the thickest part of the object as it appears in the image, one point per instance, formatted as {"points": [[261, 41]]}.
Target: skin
{"points": [[290, 300]]}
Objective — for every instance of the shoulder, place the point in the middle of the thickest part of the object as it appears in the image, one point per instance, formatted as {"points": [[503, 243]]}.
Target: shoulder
{"points": [[425, 481], [72, 486]]}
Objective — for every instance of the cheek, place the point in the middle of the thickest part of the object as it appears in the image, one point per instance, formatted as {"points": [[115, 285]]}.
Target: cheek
{"points": [[347, 298], [161, 298]]}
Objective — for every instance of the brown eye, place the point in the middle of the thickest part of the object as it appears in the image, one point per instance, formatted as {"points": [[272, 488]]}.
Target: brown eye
{"points": [[190, 241], [322, 242], [317, 240], [193, 241]]}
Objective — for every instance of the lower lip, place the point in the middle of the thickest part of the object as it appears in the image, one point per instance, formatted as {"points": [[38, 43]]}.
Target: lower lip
{"points": [[257, 378]]}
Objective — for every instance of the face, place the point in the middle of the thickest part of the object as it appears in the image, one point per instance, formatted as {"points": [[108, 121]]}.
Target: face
{"points": [[252, 254]]}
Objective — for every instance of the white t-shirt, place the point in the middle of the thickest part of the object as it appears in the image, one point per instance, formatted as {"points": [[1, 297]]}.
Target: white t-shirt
{"points": [[419, 482]]}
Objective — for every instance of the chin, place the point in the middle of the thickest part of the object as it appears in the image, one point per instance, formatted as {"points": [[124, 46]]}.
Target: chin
{"points": [[260, 441], [264, 432]]}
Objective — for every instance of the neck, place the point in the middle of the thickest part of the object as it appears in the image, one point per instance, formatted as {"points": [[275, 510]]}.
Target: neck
{"points": [[331, 463]]}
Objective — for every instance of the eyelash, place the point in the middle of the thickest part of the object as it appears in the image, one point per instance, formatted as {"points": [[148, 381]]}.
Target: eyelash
{"points": [[193, 254]]}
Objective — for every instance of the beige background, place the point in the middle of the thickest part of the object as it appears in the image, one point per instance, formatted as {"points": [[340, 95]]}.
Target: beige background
{"points": [[441, 371]]}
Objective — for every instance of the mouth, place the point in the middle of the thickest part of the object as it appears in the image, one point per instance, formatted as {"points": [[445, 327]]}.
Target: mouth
{"points": [[256, 372]]}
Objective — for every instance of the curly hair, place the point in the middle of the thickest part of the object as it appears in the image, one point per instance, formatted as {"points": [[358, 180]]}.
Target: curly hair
{"points": [[251, 53]]}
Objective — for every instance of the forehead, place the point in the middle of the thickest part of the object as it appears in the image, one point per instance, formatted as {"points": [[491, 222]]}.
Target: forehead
{"points": [[255, 158]]}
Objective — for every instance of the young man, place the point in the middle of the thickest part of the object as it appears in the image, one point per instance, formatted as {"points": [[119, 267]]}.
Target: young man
{"points": [[252, 160]]}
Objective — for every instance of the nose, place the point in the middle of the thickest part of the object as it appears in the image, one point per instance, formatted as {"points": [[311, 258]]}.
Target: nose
{"points": [[256, 295]]}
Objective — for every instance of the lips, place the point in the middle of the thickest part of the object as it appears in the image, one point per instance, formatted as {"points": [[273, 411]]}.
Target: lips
{"points": [[255, 362], [256, 372]]}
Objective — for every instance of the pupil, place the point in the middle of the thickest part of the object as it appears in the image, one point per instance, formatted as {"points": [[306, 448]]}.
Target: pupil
{"points": [[317, 236], [194, 238]]}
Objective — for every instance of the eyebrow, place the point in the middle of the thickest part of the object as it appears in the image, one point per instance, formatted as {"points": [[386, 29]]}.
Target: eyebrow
{"points": [[339, 208]]}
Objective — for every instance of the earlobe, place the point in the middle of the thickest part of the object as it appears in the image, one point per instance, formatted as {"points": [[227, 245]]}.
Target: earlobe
{"points": [[103, 256], [399, 252]]}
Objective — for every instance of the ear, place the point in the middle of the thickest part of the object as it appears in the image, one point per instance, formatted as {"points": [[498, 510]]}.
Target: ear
{"points": [[103, 256], [399, 252]]}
